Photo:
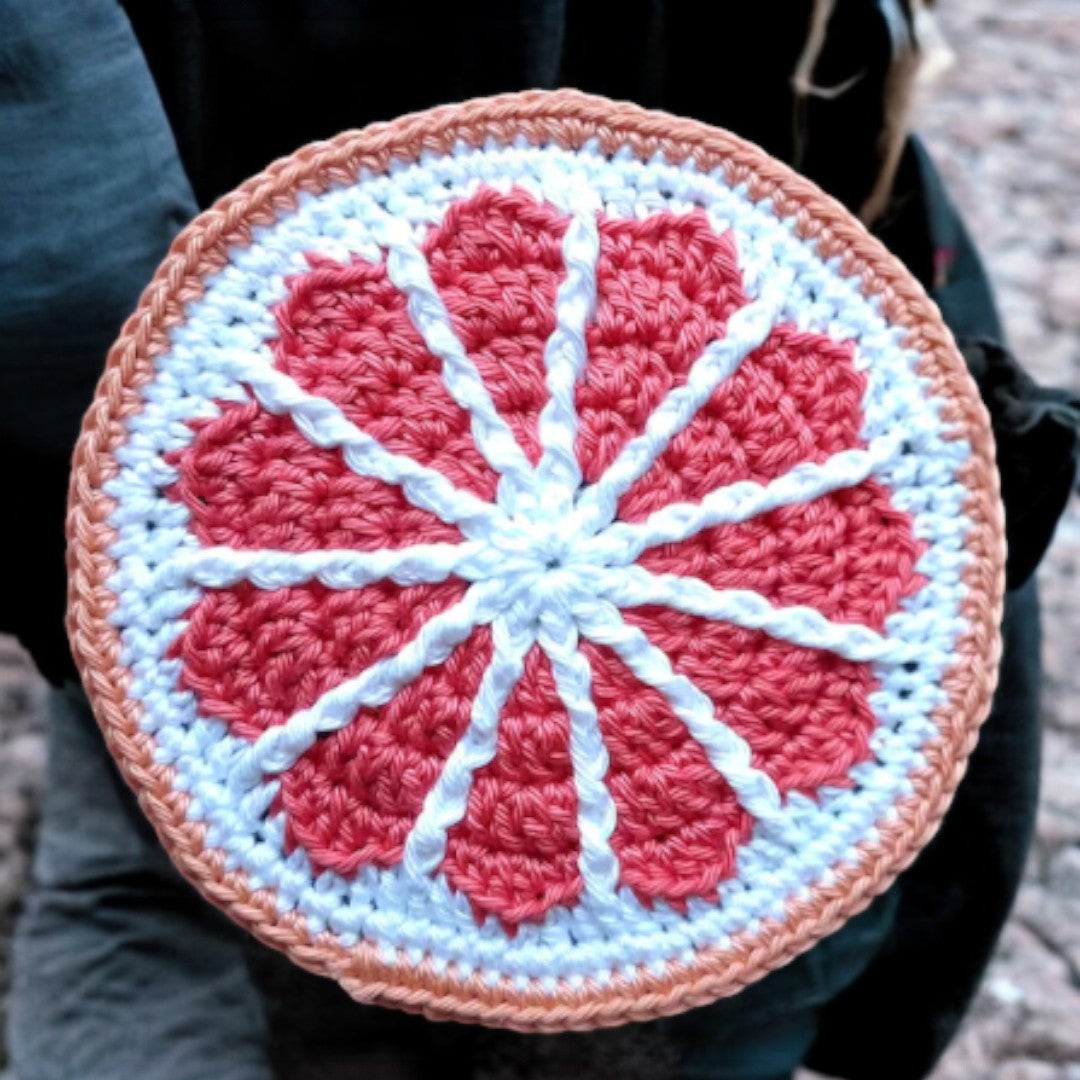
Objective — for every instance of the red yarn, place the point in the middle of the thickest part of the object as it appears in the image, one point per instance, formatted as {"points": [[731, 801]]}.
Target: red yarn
{"points": [[497, 262], [515, 854], [666, 287], [251, 480], [254, 657]]}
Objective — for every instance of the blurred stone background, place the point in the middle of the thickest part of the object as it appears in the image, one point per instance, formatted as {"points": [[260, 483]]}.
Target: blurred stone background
{"points": [[1004, 123]]}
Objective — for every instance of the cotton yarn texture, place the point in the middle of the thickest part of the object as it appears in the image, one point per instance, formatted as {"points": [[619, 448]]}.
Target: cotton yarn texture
{"points": [[539, 562]]}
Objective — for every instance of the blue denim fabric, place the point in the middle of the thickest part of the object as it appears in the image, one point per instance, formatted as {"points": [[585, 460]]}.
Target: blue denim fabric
{"points": [[91, 194]]}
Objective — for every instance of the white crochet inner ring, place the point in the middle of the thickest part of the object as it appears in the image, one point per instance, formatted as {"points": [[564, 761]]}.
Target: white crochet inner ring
{"points": [[548, 562]]}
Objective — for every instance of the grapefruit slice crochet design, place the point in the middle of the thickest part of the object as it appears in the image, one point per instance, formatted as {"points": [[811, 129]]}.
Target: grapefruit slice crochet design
{"points": [[538, 561]]}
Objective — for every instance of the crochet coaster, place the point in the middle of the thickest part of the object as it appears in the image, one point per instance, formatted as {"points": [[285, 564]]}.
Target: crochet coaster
{"points": [[539, 562]]}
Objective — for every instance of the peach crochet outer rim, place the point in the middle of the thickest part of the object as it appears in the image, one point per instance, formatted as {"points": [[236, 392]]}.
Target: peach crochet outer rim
{"points": [[569, 119]]}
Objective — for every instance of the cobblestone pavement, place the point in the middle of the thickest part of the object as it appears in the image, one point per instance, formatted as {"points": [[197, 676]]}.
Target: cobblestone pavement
{"points": [[22, 767], [1005, 125]]}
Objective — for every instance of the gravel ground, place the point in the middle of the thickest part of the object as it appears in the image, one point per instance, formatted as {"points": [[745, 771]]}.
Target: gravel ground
{"points": [[1004, 124]]}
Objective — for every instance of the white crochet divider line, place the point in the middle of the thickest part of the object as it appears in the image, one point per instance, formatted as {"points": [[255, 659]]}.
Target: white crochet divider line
{"points": [[323, 423], [513, 634], [796, 850], [747, 329], [336, 568], [728, 752], [446, 803], [407, 268], [634, 586], [737, 502], [589, 760], [279, 748]]}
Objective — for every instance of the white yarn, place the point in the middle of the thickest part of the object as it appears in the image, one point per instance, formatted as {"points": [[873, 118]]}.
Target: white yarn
{"points": [[419, 564], [746, 330], [740, 501], [408, 270], [279, 748], [632, 586], [446, 802], [728, 751], [324, 424]]}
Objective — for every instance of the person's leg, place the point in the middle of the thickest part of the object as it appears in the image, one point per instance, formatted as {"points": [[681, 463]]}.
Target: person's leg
{"points": [[120, 968], [765, 1032], [317, 1032]]}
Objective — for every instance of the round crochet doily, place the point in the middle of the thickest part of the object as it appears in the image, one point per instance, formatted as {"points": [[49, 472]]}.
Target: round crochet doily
{"points": [[538, 561]]}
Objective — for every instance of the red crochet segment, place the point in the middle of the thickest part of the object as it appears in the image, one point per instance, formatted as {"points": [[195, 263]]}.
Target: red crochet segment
{"points": [[254, 657], [515, 854], [351, 800], [666, 288], [679, 823]]}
